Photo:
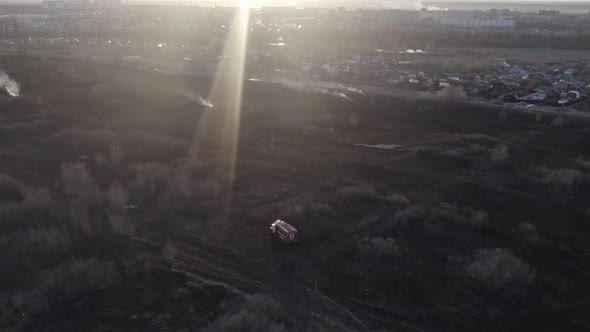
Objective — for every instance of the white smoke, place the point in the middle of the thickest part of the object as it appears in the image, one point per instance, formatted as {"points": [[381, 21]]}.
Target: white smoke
{"points": [[11, 86], [205, 102], [193, 97], [435, 8], [351, 89], [403, 4], [410, 5], [335, 90]]}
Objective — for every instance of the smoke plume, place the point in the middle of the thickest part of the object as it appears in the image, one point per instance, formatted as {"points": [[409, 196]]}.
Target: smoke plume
{"points": [[11, 86]]}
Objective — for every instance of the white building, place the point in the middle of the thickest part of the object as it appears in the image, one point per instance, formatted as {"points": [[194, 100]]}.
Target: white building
{"points": [[28, 20], [468, 19], [397, 17], [54, 4]]}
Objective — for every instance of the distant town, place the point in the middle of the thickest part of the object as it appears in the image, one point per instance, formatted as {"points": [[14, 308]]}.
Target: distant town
{"points": [[416, 51]]}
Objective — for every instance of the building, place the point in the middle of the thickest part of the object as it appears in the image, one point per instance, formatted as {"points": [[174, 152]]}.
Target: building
{"points": [[397, 17], [395, 78], [54, 4], [8, 26], [80, 4], [468, 19], [107, 3]]}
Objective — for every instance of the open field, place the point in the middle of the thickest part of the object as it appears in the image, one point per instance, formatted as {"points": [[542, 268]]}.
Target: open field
{"points": [[113, 216]]}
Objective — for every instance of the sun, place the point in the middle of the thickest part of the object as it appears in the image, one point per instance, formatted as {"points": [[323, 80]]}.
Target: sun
{"points": [[245, 4]]}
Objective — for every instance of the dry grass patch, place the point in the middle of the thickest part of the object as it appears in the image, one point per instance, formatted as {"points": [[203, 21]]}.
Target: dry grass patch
{"points": [[66, 286], [381, 246], [562, 180], [78, 184], [117, 196], [11, 189], [501, 269]]}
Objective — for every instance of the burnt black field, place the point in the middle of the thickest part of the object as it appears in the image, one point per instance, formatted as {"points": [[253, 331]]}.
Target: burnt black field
{"points": [[410, 218]]}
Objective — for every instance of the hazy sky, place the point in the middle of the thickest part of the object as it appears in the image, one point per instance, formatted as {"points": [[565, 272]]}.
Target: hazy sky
{"points": [[384, 2], [347, 3]]}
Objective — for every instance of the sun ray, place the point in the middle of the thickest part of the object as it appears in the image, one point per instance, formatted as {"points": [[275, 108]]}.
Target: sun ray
{"points": [[218, 130]]}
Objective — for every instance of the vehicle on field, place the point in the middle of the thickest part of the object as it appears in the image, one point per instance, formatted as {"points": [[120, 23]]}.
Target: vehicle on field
{"points": [[284, 231]]}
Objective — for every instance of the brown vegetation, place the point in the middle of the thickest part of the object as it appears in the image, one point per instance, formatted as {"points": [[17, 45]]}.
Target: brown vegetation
{"points": [[501, 269], [561, 180], [463, 149], [381, 246], [11, 189]]}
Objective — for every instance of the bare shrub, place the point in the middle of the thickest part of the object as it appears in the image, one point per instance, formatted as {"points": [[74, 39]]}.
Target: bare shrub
{"points": [[38, 194], [368, 220], [307, 208], [348, 195], [501, 269], [462, 149], [17, 127], [24, 253], [147, 146], [435, 217], [465, 139], [84, 140], [499, 154], [100, 159], [33, 211], [559, 121], [475, 150], [151, 175], [117, 196], [427, 152], [259, 314], [451, 92], [170, 251], [386, 247], [582, 163], [178, 186], [207, 188], [140, 146], [11, 189], [528, 232], [503, 115], [345, 198], [119, 223], [181, 186], [412, 214], [397, 200], [456, 155], [115, 154], [65, 286], [565, 180], [479, 218], [51, 239], [77, 183], [80, 219]]}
